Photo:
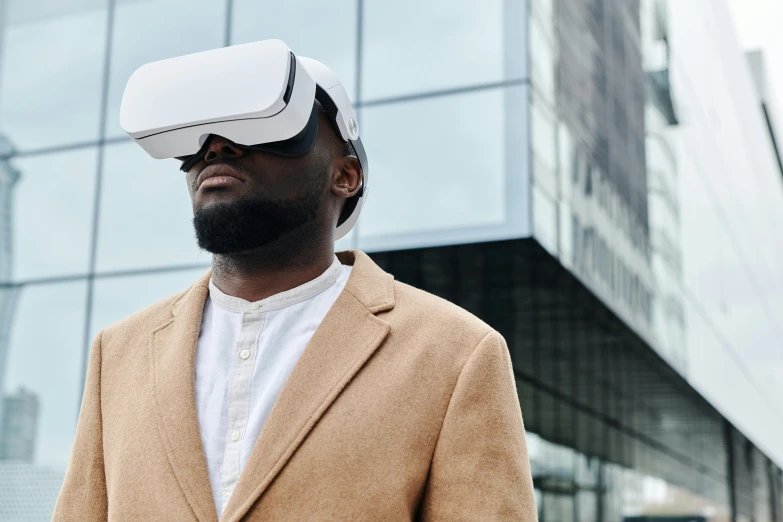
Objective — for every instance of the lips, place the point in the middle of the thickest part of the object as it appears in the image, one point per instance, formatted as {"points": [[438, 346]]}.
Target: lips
{"points": [[220, 174]]}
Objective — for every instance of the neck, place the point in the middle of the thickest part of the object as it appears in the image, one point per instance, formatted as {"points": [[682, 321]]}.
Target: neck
{"points": [[282, 265]]}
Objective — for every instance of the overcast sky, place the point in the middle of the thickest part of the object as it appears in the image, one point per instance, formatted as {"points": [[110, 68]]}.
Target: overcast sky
{"points": [[758, 26]]}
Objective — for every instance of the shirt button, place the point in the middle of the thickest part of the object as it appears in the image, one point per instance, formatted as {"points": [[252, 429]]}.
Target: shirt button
{"points": [[254, 306], [235, 435], [244, 354]]}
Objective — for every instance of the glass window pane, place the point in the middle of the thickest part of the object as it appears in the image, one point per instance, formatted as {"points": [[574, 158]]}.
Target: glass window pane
{"points": [[545, 220], [543, 134], [446, 172], [51, 71], [324, 31], [146, 212], [150, 30], [50, 207], [41, 386], [542, 62], [542, 12], [115, 298], [413, 46]]}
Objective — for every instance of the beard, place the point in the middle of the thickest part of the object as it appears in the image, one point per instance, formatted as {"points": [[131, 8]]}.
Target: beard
{"points": [[251, 223]]}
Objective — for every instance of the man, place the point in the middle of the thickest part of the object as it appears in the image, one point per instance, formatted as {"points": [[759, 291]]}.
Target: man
{"points": [[293, 383]]}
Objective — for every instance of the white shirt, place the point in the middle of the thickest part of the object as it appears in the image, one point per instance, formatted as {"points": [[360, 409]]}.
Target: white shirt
{"points": [[245, 353]]}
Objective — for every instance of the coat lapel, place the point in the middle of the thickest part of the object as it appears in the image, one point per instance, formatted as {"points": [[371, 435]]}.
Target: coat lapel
{"points": [[348, 336], [172, 363]]}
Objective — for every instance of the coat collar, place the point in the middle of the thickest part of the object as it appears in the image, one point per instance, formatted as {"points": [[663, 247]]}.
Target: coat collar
{"points": [[368, 283], [348, 336]]}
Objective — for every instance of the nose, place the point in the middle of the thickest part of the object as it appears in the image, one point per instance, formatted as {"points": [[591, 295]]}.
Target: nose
{"points": [[220, 147]]}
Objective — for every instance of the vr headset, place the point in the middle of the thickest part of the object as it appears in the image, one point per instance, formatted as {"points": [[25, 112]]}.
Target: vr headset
{"points": [[258, 95]]}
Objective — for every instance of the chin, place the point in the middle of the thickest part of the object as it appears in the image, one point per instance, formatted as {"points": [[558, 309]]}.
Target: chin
{"points": [[218, 197]]}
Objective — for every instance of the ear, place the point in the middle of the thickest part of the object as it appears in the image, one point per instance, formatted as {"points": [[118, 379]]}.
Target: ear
{"points": [[346, 177]]}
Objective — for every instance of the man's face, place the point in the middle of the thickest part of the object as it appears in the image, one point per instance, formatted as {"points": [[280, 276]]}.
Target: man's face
{"points": [[244, 199]]}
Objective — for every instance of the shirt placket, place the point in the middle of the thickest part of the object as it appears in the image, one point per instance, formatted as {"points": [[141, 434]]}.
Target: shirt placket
{"points": [[239, 399]]}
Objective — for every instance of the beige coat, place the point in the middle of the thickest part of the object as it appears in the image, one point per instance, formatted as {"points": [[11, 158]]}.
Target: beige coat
{"points": [[402, 407]]}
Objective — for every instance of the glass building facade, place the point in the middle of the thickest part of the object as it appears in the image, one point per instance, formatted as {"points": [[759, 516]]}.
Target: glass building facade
{"points": [[595, 179]]}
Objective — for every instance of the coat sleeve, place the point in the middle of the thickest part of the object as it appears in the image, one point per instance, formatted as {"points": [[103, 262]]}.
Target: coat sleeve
{"points": [[83, 494], [480, 468]]}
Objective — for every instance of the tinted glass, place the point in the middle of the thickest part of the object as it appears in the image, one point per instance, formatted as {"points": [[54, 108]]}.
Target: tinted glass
{"points": [[51, 71], [446, 173], [50, 209], [150, 30], [145, 212], [324, 31], [42, 343], [413, 46]]}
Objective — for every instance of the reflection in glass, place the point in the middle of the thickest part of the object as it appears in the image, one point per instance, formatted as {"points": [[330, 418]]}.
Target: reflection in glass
{"points": [[115, 298], [543, 145], [413, 46], [588, 161], [572, 487], [542, 50], [545, 220], [51, 70], [149, 30], [324, 31], [444, 172], [8, 179], [146, 214], [51, 209], [43, 347]]}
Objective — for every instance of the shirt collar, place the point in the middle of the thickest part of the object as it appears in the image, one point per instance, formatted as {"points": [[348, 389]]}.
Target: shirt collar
{"points": [[280, 300]]}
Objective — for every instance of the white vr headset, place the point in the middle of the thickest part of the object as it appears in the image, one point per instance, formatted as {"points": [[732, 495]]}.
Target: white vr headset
{"points": [[258, 95]]}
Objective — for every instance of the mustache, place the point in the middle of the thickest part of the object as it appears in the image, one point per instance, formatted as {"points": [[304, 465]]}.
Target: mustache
{"points": [[230, 162]]}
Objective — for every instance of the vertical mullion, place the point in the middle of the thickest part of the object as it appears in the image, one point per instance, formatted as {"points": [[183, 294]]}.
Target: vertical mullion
{"points": [[728, 441], [357, 103], [97, 194], [229, 10]]}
